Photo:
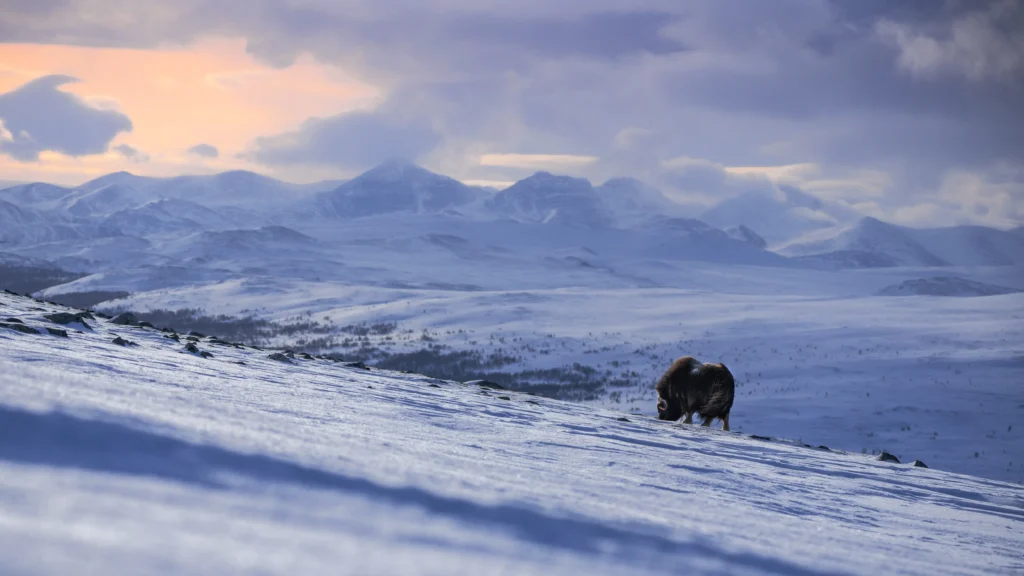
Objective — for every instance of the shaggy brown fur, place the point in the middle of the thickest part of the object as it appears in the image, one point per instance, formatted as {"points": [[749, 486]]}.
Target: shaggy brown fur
{"points": [[689, 387]]}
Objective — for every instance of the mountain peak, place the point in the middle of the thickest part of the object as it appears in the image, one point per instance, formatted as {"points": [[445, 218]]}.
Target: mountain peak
{"points": [[395, 186]]}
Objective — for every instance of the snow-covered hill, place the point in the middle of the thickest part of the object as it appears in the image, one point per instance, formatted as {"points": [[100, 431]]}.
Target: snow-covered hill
{"points": [[35, 196], [558, 200], [779, 216], [945, 286], [873, 243], [25, 226], [148, 458], [630, 202], [395, 186], [972, 245], [869, 243]]}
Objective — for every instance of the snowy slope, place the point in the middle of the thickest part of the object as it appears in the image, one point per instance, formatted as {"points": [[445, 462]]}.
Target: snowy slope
{"points": [[869, 243], [816, 355], [630, 202], [148, 459], [548, 198], [779, 216], [395, 186], [165, 217], [972, 245], [37, 195], [20, 226]]}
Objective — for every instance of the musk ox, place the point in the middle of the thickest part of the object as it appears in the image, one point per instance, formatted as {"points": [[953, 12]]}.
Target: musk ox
{"points": [[689, 386]]}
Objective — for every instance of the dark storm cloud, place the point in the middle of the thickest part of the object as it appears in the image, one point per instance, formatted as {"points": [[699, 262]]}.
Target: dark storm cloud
{"points": [[39, 116], [131, 153], [350, 141], [204, 151]]}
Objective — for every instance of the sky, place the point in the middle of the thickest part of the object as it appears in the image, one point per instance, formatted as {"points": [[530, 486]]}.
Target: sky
{"points": [[907, 110]]}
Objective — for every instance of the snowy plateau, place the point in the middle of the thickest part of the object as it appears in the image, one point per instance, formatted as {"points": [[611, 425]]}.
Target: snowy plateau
{"points": [[403, 374]]}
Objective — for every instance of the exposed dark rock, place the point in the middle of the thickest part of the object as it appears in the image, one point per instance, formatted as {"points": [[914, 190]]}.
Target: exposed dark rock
{"points": [[919, 464], [359, 365], [102, 315], [756, 437], [622, 419], [533, 402], [144, 324], [125, 319], [14, 321], [305, 356], [19, 328], [11, 293], [433, 386], [487, 384], [57, 332], [191, 347], [122, 342], [504, 398], [823, 447], [85, 314], [196, 334], [239, 362], [206, 354], [168, 330], [192, 339], [280, 358], [886, 457], [66, 318]]}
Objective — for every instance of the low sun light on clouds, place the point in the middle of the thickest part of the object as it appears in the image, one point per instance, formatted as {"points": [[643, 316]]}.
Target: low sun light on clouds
{"points": [[211, 93]]}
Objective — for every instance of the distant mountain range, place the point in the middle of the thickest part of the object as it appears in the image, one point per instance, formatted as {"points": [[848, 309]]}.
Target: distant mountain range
{"points": [[873, 243], [399, 222]]}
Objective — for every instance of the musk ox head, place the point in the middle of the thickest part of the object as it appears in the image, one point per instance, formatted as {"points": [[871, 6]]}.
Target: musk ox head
{"points": [[668, 409]]}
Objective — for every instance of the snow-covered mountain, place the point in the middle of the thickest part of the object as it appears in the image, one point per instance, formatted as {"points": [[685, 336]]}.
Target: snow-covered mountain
{"points": [[945, 286], [550, 199], [21, 226], [102, 202], [126, 451], [37, 195], [870, 241], [393, 187], [744, 234], [873, 243], [631, 202], [164, 217], [972, 245], [778, 216]]}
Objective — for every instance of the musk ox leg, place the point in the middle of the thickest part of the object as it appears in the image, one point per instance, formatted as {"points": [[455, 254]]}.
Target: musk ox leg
{"points": [[707, 421], [725, 422], [689, 418]]}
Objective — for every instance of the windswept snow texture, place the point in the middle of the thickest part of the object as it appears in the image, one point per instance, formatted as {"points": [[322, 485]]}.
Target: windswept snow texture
{"points": [[148, 459], [935, 378]]}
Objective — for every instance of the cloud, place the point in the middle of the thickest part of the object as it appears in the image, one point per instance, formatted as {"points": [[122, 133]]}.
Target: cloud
{"points": [[537, 161], [39, 116], [352, 141], [695, 178], [131, 153], [908, 91], [204, 151], [981, 44]]}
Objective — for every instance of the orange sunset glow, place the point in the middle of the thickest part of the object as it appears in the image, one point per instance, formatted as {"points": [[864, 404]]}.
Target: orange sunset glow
{"points": [[211, 92]]}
